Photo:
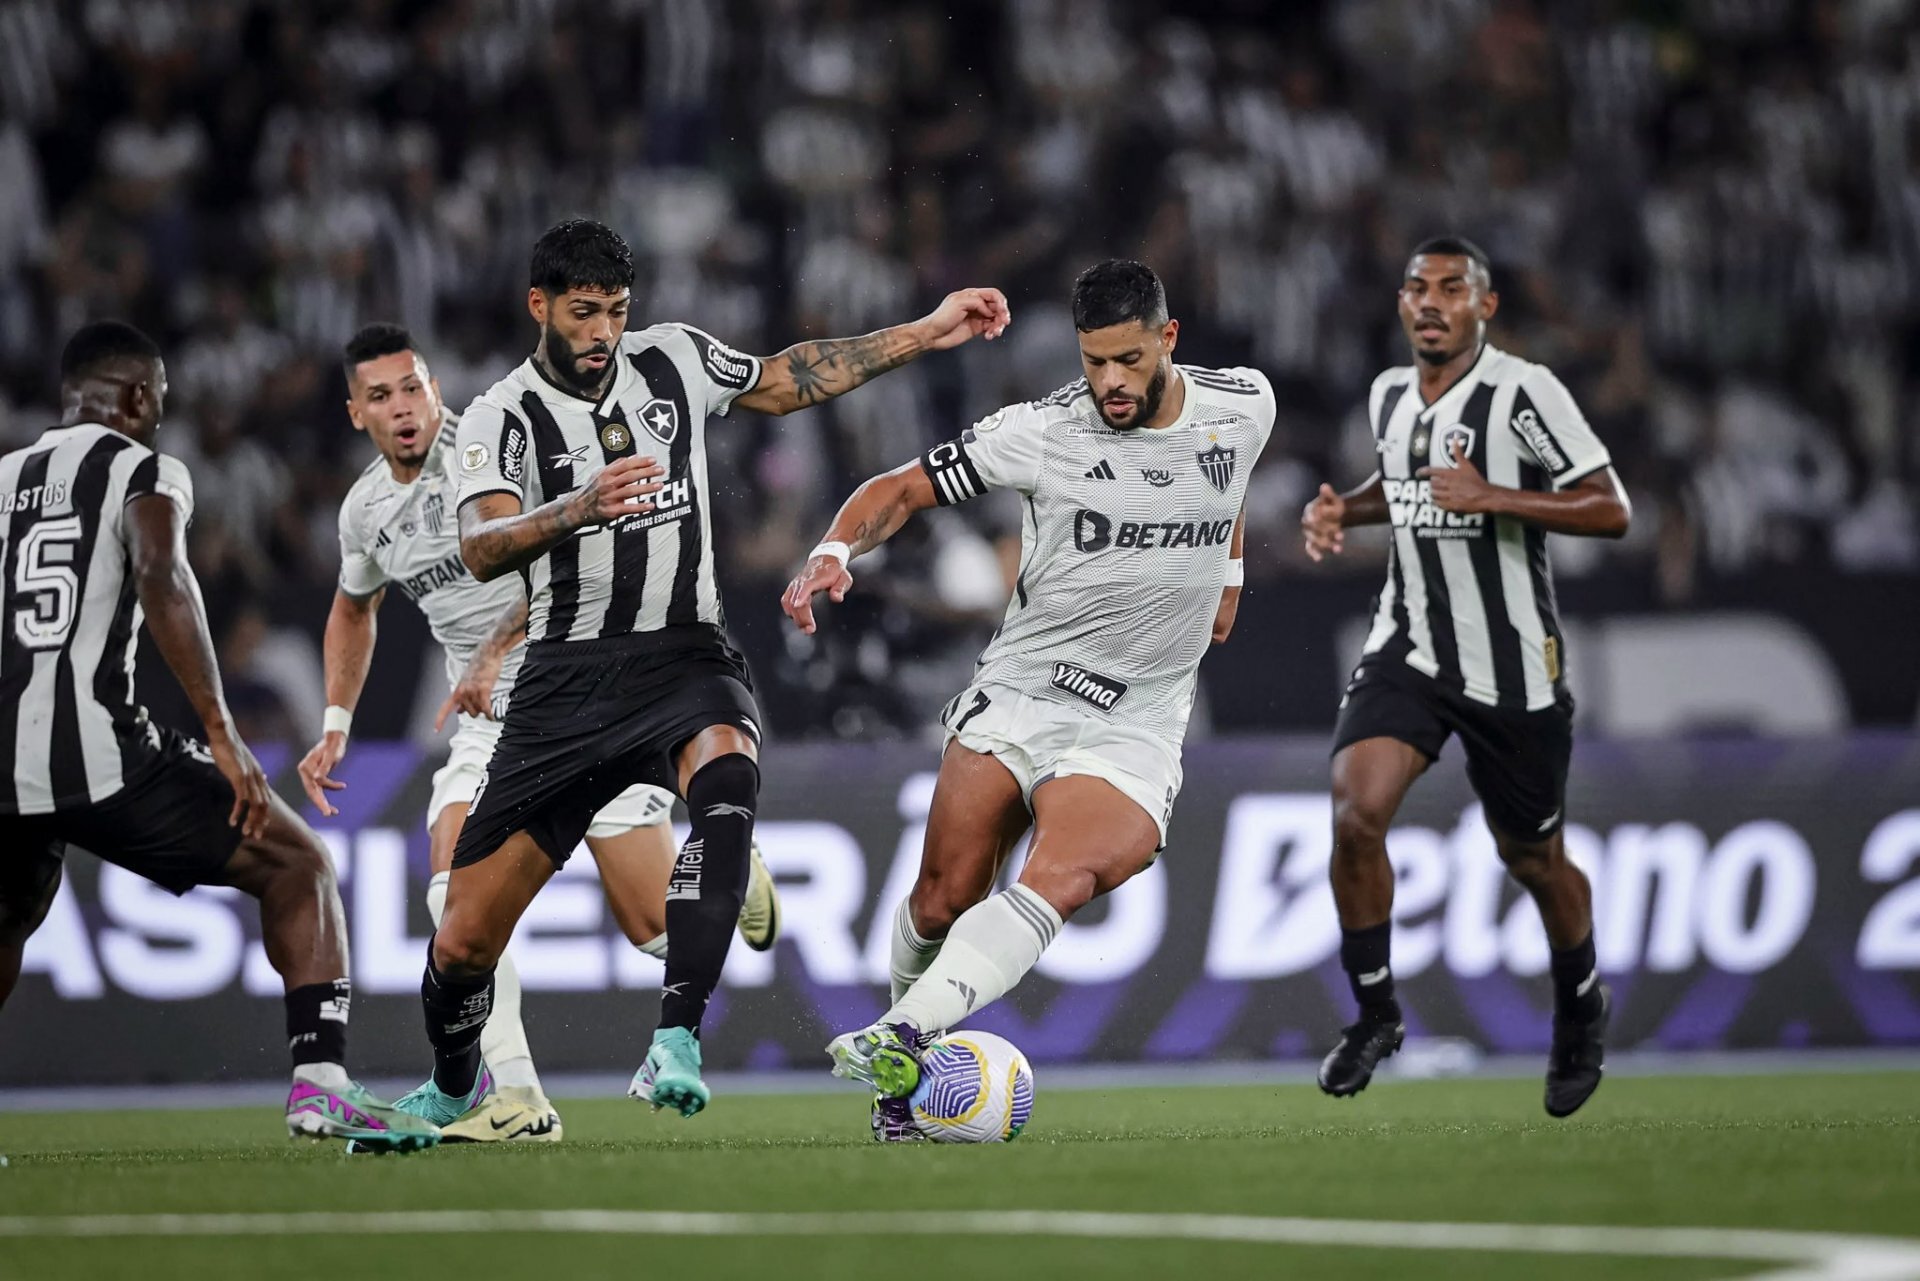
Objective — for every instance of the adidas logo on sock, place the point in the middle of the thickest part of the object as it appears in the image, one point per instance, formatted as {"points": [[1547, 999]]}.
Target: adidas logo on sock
{"points": [[1102, 470]]}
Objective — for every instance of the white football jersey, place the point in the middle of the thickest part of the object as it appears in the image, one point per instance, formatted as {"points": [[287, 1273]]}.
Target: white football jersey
{"points": [[408, 536], [1125, 540]]}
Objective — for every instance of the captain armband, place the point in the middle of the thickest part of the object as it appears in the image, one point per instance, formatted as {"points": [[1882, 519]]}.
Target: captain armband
{"points": [[952, 473]]}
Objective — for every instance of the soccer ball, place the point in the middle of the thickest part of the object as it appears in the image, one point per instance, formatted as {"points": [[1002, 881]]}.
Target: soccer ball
{"points": [[975, 1087]]}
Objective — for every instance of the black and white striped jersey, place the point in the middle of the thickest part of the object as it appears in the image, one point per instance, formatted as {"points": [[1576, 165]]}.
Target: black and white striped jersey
{"points": [[527, 437], [68, 718], [1469, 597]]}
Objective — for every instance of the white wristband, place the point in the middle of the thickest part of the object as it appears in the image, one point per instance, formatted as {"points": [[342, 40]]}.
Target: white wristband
{"points": [[1236, 573], [338, 720], [839, 551]]}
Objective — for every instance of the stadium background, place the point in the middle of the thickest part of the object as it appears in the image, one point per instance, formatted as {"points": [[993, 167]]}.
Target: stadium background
{"points": [[1704, 215]]}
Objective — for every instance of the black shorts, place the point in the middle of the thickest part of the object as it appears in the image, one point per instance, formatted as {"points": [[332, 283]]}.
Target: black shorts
{"points": [[169, 825], [589, 719], [1516, 759]]}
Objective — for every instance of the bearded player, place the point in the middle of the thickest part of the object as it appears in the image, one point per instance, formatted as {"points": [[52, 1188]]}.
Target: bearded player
{"points": [[586, 470], [1134, 478], [397, 528], [1482, 455]]}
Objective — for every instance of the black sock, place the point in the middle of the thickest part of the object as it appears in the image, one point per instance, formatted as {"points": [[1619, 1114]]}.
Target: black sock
{"points": [[317, 1021], [1576, 982], [457, 1011], [1365, 956], [709, 880]]}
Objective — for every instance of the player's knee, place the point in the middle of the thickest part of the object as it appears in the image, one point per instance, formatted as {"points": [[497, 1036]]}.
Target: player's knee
{"points": [[1067, 887], [727, 787], [937, 900], [21, 915], [460, 951], [287, 864], [1531, 864], [1359, 830]]}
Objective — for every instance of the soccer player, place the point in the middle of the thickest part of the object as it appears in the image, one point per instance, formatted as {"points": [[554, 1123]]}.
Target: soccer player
{"points": [[1482, 455], [1134, 478], [92, 536], [585, 471], [396, 528]]}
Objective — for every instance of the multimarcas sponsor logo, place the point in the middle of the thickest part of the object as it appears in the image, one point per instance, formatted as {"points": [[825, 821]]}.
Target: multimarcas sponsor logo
{"points": [[1089, 687]]}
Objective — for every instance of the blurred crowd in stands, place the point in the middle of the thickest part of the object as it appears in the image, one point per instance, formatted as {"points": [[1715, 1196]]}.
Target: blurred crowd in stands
{"points": [[1704, 214]]}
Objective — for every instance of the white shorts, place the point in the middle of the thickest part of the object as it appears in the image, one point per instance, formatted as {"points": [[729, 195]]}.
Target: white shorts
{"points": [[1038, 739], [456, 782]]}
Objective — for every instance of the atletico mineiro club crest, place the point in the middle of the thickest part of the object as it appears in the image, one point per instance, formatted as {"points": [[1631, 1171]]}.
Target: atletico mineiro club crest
{"points": [[1216, 464]]}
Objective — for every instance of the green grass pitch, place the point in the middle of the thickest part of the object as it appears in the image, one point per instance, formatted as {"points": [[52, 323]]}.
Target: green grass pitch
{"points": [[1829, 1153]]}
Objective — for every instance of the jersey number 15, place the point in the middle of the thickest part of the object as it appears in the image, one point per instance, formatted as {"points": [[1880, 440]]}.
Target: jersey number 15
{"points": [[46, 584]]}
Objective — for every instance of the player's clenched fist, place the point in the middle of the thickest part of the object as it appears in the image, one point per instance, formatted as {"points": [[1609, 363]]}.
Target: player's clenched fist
{"points": [[822, 574], [621, 488], [1321, 523]]}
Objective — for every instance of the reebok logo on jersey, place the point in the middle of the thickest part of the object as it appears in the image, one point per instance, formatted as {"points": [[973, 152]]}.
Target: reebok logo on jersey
{"points": [[1092, 688], [1093, 532], [1102, 470], [1158, 477], [724, 810], [1530, 429], [573, 457]]}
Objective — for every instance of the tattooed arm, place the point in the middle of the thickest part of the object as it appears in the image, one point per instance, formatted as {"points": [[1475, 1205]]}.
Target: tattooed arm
{"points": [[809, 372], [496, 537], [874, 514]]}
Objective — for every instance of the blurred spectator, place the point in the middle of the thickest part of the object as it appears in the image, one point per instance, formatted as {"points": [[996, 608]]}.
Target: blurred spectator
{"points": [[1705, 215]]}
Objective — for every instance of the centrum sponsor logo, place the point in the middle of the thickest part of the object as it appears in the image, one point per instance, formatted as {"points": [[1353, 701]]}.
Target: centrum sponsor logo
{"points": [[1527, 423]]}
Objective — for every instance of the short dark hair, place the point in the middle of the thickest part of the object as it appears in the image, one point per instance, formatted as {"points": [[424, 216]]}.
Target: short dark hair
{"points": [[92, 345], [1116, 291], [382, 338], [581, 254], [1455, 246]]}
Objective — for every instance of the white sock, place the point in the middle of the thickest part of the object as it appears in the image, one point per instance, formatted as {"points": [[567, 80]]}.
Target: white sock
{"points": [[656, 947], [328, 1076], [990, 948], [909, 954], [503, 1042]]}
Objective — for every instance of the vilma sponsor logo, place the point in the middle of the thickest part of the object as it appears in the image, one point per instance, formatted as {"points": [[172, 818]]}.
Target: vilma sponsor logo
{"points": [[1103, 692]]}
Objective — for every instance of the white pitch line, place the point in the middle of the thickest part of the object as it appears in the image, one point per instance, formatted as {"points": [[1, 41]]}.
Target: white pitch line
{"points": [[1805, 1256]]}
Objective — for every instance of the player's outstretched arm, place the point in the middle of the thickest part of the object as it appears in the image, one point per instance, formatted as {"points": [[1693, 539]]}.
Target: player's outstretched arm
{"points": [[346, 654], [497, 537], [1329, 514], [809, 372], [1595, 506], [874, 513], [473, 694], [177, 617]]}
